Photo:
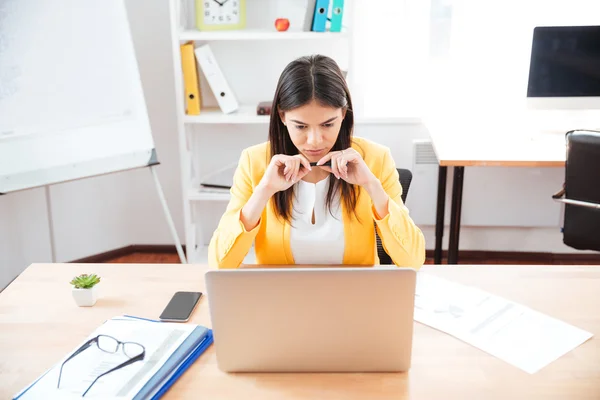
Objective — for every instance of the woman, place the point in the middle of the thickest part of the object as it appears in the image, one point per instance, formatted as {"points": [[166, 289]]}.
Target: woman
{"points": [[314, 194]]}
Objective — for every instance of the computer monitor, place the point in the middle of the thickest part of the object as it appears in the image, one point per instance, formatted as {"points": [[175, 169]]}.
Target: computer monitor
{"points": [[564, 70]]}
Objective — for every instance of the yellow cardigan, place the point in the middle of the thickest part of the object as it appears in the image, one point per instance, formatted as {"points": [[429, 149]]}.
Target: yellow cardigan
{"points": [[401, 238]]}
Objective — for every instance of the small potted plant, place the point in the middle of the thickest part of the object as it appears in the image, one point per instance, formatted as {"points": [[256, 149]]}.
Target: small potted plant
{"points": [[84, 289]]}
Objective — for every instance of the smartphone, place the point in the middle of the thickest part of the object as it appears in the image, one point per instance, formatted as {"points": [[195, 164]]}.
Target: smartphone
{"points": [[180, 307]]}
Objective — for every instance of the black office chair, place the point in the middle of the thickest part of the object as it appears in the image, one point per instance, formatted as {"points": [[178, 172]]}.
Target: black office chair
{"points": [[405, 178], [581, 191]]}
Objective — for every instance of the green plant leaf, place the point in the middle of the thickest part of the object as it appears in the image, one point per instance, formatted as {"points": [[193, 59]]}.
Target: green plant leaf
{"points": [[85, 281]]}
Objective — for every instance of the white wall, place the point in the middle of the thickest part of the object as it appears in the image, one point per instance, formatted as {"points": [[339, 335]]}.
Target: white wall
{"points": [[23, 233], [108, 212]]}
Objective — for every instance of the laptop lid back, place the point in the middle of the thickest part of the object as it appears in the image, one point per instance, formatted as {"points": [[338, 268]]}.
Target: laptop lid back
{"points": [[351, 319]]}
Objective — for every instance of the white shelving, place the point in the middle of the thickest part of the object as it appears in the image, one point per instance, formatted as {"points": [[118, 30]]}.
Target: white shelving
{"points": [[245, 115], [250, 59], [208, 195], [258, 34]]}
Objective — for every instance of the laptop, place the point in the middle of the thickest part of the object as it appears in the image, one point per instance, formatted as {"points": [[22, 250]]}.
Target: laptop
{"points": [[312, 319]]}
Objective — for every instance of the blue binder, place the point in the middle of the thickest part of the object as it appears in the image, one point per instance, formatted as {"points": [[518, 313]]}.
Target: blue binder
{"points": [[337, 15], [320, 15], [189, 351], [183, 367], [196, 343], [179, 362]]}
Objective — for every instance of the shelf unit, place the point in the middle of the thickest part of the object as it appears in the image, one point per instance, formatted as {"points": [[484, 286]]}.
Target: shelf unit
{"points": [[247, 115], [261, 49], [207, 195], [258, 34]]}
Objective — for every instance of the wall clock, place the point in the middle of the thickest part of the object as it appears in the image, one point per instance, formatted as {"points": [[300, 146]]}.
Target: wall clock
{"points": [[215, 15]]}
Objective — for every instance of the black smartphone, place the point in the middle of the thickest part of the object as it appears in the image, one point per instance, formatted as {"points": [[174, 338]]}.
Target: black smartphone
{"points": [[180, 307]]}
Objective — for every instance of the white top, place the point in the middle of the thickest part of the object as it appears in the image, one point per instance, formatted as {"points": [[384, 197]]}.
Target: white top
{"points": [[323, 241]]}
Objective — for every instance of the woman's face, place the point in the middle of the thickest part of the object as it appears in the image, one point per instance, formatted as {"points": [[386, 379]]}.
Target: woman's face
{"points": [[313, 128]]}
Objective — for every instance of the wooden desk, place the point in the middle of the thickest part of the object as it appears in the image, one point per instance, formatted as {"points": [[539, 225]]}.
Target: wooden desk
{"points": [[484, 141], [39, 323]]}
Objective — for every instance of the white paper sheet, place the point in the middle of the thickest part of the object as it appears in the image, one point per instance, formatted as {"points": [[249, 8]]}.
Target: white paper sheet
{"points": [[78, 373], [509, 331]]}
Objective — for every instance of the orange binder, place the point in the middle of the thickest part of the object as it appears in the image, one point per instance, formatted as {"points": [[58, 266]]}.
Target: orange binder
{"points": [[191, 83]]}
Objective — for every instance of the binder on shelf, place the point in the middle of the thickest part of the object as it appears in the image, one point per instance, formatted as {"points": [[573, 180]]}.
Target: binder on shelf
{"points": [[309, 16], [170, 349], [337, 15], [216, 80], [320, 15], [191, 83]]}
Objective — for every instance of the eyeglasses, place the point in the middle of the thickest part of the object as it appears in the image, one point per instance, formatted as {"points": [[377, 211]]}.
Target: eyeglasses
{"points": [[134, 351]]}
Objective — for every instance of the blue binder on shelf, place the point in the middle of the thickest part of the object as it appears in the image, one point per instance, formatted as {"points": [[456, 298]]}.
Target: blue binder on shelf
{"points": [[180, 360], [337, 15], [320, 15]]}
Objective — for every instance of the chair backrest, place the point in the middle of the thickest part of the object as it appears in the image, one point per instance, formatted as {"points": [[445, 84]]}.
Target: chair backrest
{"points": [[405, 176], [581, 228], [405, 180]]}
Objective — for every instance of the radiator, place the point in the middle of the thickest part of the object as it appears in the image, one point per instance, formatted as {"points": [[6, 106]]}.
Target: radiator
{"points": [[422, 195]]}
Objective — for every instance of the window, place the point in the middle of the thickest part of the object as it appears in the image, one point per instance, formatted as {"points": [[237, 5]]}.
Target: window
{"points": [[406, 50]]}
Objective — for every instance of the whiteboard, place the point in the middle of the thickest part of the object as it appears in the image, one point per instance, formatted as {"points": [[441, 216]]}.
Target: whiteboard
{"points": [[71, 99]]}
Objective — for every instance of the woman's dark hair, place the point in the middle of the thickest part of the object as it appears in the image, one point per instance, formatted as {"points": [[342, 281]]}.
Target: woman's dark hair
{"points": [[305, 79]]}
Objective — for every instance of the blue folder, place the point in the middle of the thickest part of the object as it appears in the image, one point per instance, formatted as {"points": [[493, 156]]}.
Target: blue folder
{"points": [[189, 351], [320, 15], [337, 16], [196, 343]]}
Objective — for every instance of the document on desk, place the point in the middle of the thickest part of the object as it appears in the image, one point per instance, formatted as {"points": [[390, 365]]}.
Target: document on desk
{"points": [[522, 337], [160, 342]]}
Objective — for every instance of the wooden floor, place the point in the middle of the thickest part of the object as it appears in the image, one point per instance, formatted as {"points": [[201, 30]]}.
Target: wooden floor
{"points": [[147, 258], [468, 257]]}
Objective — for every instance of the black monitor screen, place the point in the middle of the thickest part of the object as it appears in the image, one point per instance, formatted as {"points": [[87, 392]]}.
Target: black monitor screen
{"points": [[565, 62]]}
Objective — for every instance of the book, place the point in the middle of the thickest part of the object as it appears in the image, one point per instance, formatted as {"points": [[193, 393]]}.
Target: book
{"points": [[319, 23], [337, 15], [216, 79], [169, 349], [191, 83], [309, 15]]}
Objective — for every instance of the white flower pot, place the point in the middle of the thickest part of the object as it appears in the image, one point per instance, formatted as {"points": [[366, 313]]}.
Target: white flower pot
{"points": [[85, 297]]}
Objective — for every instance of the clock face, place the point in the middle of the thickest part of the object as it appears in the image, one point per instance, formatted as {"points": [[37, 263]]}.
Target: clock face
{"points": [[221, 12]]}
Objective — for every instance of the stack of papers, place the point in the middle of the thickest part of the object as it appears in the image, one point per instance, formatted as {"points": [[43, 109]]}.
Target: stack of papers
{"points": [[170, 349], [509, 331]]}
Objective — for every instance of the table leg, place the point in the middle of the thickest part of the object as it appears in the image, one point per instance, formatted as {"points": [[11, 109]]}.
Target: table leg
{"points": [[457, 189], [439, 218]]}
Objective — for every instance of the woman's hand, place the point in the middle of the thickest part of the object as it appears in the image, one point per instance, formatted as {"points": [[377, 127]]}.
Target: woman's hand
{"points": [[283, 171], [348, 165]]}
